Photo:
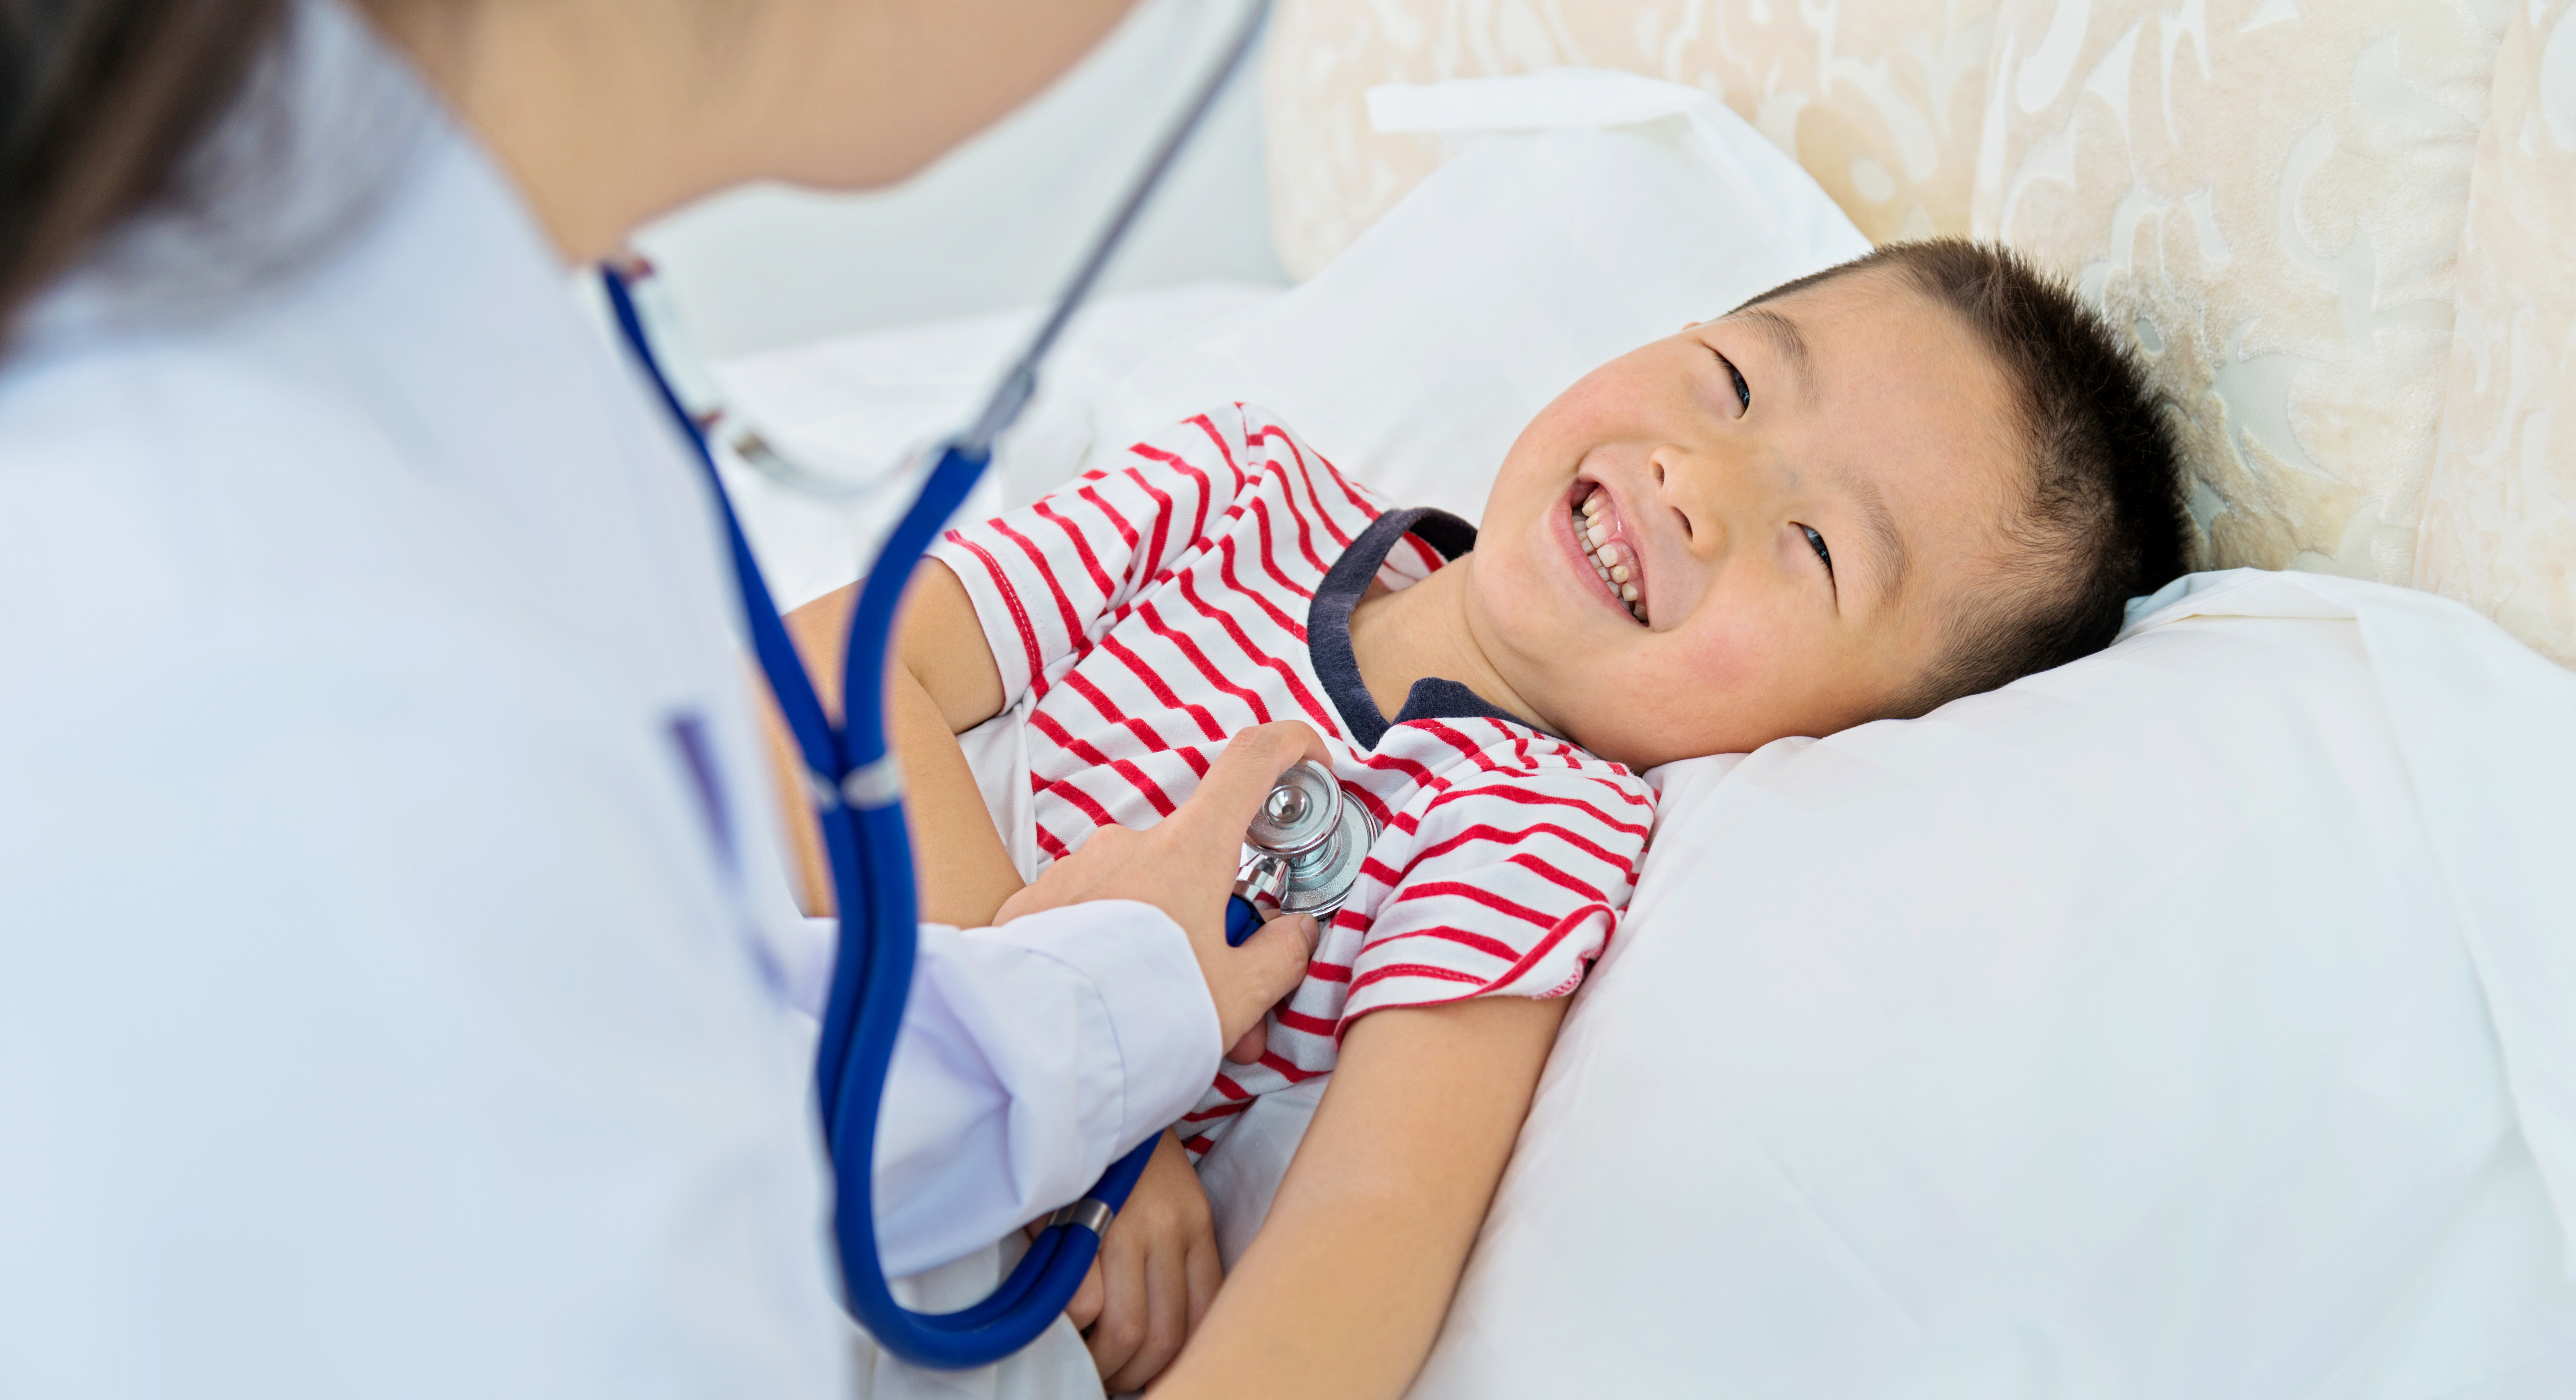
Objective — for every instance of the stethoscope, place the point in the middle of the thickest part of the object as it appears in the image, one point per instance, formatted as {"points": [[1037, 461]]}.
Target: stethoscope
{"points": [[1302, 854]]}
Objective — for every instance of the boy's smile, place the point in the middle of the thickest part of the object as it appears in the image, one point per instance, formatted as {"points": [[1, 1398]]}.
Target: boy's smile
{"points": [[1598, 532], [1764, 526]]}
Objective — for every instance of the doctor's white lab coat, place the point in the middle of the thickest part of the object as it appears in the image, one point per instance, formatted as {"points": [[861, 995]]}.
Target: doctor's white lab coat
{"points": [[398, 988]]}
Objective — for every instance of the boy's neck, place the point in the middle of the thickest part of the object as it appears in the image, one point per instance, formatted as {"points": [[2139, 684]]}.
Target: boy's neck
{"points": [[1399, 636]]}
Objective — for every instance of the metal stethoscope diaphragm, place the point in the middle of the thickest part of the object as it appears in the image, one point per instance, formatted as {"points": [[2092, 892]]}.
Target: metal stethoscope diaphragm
{"points": [[1303, 852]]}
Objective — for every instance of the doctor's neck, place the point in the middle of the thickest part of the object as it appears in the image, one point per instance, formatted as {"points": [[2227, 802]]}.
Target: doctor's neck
{"points": [[605, 112], [610, 112]]}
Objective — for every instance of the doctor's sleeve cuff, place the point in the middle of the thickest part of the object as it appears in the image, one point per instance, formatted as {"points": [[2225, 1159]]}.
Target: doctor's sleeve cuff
{"points": [[1031, 1056], [1161, 1019]]}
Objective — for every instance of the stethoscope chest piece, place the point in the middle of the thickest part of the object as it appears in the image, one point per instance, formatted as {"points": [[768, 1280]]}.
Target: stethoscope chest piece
{"points": [[1303, 851]]}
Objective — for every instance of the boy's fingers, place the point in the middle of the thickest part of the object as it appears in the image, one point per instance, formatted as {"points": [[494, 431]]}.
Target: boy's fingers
{"points": [[1084, 1310], [1120, 1328], [1206, 1274], [1167, 1315]]}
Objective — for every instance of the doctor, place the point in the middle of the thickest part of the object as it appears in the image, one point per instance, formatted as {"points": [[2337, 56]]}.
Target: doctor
{"points": [[398, 992]]}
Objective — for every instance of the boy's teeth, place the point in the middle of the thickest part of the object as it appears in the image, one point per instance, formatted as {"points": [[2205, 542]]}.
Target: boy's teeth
{"points": [[1608, 559]]}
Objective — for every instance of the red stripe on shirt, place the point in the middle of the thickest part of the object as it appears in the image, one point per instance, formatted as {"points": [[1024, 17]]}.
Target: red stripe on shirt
{"points": [[1207, 489], [1117, 521], [1217, 440], [1432, 971], [1037, 557], [1252, 652], [1487, 831], [1432, 889], [1155, 685], [1306, 473], [1145, 787], [1451, 933], [1082, 685], [1541, 799], [1081, 547], [1010, 597], [1198, 658], [1149, 564], [1278, 619]]}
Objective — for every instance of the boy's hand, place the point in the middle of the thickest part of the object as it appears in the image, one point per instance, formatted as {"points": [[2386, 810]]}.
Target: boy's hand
{"points": [[1184, 865], [1155, 1276]]}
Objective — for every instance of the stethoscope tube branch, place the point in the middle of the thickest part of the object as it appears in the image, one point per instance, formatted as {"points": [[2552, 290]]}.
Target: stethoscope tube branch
{"points": [[871, 859], [1020, 382], [859, 789]]}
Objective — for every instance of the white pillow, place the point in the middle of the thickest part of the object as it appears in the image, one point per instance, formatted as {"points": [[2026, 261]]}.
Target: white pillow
{"points": [[1615, 210], [2198, 1019], [860, 408]]}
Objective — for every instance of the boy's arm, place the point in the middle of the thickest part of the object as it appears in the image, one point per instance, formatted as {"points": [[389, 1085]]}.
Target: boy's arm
{"points": [[1345, 1287], [944, 683]]}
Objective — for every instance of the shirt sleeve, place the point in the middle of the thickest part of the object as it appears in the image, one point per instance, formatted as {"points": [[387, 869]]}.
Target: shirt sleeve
{"points": [[1049, 578], [1510, 883], [1031, 1057]]}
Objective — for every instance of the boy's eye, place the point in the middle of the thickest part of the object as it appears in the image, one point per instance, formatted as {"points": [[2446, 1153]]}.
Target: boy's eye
{"points": [[1816, 542], [1743, 391]]}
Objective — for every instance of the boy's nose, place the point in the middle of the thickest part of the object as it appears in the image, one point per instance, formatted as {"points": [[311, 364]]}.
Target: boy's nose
{"points": [[1690, 488], [1720, 493]]}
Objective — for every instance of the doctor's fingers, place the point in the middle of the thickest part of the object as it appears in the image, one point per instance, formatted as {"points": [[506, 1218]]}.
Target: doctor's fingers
{"points": [[1207, 830], [1246, 982], [1289, 962]]}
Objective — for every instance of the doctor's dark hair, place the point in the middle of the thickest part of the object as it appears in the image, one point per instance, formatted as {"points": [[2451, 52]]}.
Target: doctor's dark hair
{"points": [[101, 104], [2102, 518]]}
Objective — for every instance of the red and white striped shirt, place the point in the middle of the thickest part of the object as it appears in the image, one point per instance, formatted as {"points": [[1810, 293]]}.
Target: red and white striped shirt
{"points": [[1203, 583]]}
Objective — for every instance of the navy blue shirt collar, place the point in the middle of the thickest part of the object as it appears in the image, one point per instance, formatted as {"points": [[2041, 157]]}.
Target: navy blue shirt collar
{"points": [[1328, 629]]}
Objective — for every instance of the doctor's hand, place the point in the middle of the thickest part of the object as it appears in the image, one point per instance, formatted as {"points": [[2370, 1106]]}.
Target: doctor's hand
{"points": [[1156, 1274], [1184, 865]]}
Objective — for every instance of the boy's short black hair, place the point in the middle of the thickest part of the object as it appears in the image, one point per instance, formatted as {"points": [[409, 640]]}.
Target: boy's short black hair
{"points": [[2103, 520]]}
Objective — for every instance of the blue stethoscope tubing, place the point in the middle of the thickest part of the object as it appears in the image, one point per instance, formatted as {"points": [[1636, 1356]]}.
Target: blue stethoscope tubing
{"points": [[858, 794]]}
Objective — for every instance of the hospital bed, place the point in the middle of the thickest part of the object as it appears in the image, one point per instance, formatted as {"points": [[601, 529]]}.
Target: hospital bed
{"points": [[2196, 1020]]}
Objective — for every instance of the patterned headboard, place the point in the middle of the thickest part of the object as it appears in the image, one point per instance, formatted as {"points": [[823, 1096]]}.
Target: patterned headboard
{"points": [[2349, 276]]}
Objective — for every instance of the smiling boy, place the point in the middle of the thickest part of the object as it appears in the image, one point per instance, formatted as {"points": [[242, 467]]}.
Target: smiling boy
{"points": [[1864, 494]]}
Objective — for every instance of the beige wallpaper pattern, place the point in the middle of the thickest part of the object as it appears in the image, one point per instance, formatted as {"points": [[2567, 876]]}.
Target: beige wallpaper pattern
{"points": [[2500, 527], [1879, 99], [2269, 194]]}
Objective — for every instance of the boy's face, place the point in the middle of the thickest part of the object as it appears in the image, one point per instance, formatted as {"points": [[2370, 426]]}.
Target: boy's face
{"points": [[1801, 495]]}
